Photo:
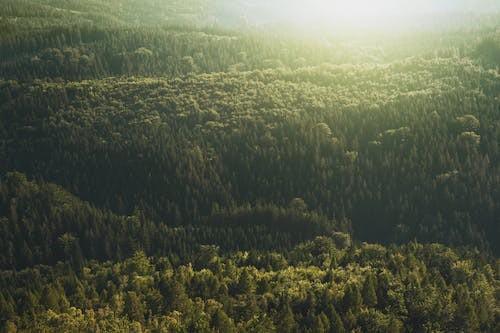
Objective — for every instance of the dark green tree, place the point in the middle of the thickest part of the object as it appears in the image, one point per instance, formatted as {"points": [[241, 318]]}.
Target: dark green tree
{"points": [[134, 307], [352, 298], [369, 294], [336, 324], [222, 323], [286, 320]]}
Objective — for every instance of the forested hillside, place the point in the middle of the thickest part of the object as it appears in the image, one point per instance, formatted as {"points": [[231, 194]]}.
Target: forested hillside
{"points": [[166, 168]]}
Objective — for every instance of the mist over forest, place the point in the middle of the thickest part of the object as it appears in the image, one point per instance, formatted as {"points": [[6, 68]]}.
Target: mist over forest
{"points": [[311, 16]]}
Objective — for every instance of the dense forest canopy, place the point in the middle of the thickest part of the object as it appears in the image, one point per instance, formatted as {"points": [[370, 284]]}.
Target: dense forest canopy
{"points": [[249, 166]]}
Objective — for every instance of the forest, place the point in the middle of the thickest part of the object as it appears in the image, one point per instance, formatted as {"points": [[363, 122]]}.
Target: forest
{"points": [[181, 166]]}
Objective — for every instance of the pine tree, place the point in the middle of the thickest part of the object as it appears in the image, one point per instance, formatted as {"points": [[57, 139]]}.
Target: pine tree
{"points": [[134, 308], [222, 323], [175, 295], [395, 326], [246, 284], [263, 286], [317, 325], [286, 322], [369, 294], [6, 308], [325, 322], [336, 324], [50, 298], [352, 298]]}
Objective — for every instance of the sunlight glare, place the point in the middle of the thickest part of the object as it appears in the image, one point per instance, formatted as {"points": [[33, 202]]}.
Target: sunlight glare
{"points": [[356, 12]]}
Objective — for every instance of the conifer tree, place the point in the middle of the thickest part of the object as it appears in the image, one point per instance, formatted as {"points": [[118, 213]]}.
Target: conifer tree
{"points": [[368, 292]]}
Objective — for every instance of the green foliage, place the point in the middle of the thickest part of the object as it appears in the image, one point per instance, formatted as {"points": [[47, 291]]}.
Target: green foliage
{"points": [[176, 176], [222, 323], [368, 292], [488, 51], [185, 162], [420, 289], [133, 307], [352, 298]]}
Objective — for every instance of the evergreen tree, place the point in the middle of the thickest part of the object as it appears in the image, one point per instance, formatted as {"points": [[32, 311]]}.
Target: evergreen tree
{"points": [[246, 284], [174, 295], [368, 292], [222, 323], [50, 298], [287, 323], [352, 298], [134, 307], [336, 324], [6, 308]]}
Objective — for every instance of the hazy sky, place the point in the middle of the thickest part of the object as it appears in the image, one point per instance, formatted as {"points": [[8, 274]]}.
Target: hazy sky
{"points": [[355, 11]]}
